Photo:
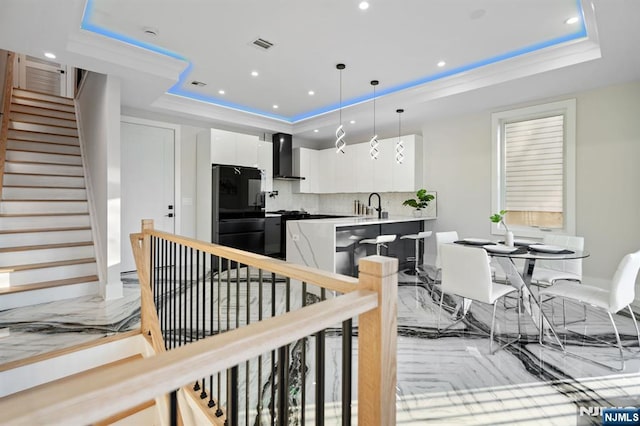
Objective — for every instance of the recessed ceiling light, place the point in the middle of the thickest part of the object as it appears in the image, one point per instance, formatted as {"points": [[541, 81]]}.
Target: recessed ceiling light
{"points": [[275, 107], [364, 5], [572, 20], [311, 93], [254, 73], [352, 122], [442, 64], [315, 130], [49, 55], [221, 92]]}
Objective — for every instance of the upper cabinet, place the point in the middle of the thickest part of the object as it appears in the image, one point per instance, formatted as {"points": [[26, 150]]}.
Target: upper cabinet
{"points": [[355, 171], [235, 149]]}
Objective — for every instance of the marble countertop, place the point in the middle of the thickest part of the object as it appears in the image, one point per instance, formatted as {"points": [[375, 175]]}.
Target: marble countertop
{"points": [[362, 220]]}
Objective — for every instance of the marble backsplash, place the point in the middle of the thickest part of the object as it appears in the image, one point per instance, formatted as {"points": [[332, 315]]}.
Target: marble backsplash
{"points": [[340, 203]]}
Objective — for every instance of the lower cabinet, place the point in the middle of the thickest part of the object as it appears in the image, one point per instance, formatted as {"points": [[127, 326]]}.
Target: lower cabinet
{"points": [[272, 235]]}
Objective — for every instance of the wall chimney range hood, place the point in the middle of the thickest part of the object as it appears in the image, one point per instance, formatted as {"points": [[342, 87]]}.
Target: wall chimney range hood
{"points": [[283, 157]]}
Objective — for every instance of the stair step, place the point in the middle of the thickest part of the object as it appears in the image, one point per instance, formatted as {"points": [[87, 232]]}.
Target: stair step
{"points": [[46, 253], [36, 230], [16, 288], [42, 128], [47, 112], [24, 135], [53, 148], [43, 193], [41, 246], [40, 157], [42, 104], [28, 179], [29, 237], [43, 207], [48, 236], [37, 273], [41, 119], [9, 222], [43, 169], [30, 94]]}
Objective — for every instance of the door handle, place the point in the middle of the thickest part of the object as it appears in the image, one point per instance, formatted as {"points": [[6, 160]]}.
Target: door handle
{"points": [[169, 215]]}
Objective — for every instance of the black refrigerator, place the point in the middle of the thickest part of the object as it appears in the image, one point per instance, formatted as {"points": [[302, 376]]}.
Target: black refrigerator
{"points": [[237, 207]]}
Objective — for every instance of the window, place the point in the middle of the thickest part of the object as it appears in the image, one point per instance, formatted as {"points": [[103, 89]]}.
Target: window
{"points": [[533, 169]]}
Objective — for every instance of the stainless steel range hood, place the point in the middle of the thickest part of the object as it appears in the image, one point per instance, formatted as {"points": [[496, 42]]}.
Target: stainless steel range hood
{"points": [[283, 157]]}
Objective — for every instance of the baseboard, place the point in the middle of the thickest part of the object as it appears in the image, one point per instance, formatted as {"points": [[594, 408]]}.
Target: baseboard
{"points": [[111, 291]]}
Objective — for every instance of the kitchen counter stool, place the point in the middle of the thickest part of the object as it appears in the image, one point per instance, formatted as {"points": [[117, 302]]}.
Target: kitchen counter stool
{"points": [[379, 241], [420, 236]]}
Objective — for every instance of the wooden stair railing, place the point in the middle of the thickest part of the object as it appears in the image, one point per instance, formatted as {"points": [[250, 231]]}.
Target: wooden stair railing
{"points": [[97, 395], [6, 112]]}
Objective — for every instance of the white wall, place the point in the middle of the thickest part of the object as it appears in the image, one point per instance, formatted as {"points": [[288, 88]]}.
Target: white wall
{"points": [[188, 181], [99, 120], [458, 166]]}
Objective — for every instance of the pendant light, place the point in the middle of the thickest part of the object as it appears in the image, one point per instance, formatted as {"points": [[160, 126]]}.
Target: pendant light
{"points": [[399, 144], [340, 133], [373, 143]]}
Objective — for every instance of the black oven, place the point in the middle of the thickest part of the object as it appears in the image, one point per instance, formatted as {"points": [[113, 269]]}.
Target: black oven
{"points": [[237, 208]]}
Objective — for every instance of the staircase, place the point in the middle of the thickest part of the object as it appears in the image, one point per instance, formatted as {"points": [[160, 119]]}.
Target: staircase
{"points": [[45, 226]]}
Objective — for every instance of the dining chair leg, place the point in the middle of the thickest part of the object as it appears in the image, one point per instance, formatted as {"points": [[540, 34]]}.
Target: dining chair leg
{"points": [[440, 308], [617, 340], [493, 321], [635, 323]]}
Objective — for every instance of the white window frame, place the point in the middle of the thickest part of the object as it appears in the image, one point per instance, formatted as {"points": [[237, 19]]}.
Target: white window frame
{"points": [[568, 109]]}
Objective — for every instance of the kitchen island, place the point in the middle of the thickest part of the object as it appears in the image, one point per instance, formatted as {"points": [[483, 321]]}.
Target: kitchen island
{"points": [[333, 244]]}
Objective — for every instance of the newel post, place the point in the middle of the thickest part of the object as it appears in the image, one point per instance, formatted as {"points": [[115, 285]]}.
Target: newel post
{"points": [[377, 343], [142, 254]]}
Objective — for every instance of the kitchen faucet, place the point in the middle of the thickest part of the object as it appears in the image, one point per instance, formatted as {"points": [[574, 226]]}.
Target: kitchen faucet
{"points": [[379, 209]]}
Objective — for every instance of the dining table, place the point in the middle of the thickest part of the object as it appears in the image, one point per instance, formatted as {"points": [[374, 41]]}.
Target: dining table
{"points": [[530, 252]]}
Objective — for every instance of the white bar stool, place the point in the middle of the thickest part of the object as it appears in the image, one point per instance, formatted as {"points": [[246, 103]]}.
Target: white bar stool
{"points": [[420, 236], [379, 241]]}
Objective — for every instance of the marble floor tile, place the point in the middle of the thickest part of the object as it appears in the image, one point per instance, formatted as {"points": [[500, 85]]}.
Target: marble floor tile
{"points": [[444, 377]]}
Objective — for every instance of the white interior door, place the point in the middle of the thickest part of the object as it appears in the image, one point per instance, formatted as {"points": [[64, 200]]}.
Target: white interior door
{"points": [[147, 182], [43, 76]]}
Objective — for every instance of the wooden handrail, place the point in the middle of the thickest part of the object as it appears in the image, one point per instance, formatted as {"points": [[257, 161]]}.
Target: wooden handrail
{"points": [[6, 112], [93, 396], [328, 280]]}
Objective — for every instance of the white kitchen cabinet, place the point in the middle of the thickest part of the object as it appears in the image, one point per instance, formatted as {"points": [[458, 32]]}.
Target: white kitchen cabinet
{"points": [[265, 163], [355, 171], [383, 166], [234, 149], [247, 150], [328, 183], [306, 163], [407, 177], [343, 171]]}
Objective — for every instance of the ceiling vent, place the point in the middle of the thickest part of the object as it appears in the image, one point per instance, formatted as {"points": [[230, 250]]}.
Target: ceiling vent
{"points": [[262, 43], [198, 83]]}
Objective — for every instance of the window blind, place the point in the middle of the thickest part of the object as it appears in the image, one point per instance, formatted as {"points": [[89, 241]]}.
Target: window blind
{"points": [[534, 164]]}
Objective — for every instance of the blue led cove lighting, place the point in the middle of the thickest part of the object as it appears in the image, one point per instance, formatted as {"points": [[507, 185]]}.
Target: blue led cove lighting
{"points": [[179, 89]]}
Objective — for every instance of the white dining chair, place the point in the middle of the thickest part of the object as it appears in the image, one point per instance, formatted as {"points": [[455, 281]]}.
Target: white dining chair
{"points": [[547, 272], [433, 269], [466, 273], [620, 294]]}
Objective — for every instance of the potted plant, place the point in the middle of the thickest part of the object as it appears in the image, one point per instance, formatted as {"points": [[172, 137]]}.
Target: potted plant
{"points": [[499, 218], [420, 202]]}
